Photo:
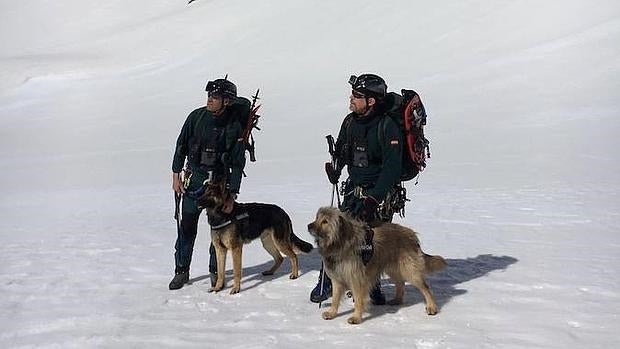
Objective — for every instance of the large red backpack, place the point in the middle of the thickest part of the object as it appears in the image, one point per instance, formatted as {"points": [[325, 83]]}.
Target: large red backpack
{"points": [[409, 114]]}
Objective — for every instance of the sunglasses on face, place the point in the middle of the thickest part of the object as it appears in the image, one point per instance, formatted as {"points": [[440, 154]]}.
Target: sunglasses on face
{"points": [[357, 95], [214, 95]]}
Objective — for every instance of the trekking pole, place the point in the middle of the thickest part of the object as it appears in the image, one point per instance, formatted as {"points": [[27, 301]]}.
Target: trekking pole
{"points": [[186, 173], [177, 205], [332, 152]]}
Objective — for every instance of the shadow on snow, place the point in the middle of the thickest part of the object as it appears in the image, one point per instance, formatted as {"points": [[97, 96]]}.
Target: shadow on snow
{"points": [[444, 283]]}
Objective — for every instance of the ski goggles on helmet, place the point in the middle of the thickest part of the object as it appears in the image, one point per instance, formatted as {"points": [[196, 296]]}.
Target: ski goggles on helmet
{"points": [[221, 88], [213, 86]]}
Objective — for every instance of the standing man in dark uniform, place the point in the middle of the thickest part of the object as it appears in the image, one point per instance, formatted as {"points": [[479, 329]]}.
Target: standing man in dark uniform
{"points": [[370, 145], [212, 142]]}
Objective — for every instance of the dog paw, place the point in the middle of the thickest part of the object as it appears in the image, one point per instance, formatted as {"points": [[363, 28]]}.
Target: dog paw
{"points": [[395, 302], [328, 315], [235, 290], [431, 309], [354, 320], [293, 276], [215, 289]]}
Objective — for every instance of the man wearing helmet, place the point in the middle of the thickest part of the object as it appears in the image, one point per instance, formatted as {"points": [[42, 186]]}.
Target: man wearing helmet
{"points": [[211, 142], [369, 144]]}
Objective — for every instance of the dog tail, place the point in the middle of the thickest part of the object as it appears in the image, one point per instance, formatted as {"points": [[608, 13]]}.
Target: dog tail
{"points": [[434, 263], [303, 246]]}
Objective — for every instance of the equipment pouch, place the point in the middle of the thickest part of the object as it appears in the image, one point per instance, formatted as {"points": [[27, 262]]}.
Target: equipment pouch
{"points": [[208, 157], [360, 155]]}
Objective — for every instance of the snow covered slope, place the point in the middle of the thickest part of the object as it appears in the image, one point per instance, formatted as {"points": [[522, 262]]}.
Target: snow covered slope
{"points": [[521, 195]]}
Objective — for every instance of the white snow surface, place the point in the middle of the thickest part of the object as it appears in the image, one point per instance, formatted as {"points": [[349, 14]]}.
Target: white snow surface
{"points": [[520, 196]]}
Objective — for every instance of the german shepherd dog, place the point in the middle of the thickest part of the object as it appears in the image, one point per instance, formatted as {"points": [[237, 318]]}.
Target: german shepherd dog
{"points": [[268, 222], [396, 252]]}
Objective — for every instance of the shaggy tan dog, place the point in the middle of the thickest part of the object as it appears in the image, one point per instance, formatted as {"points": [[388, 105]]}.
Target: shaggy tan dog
{"points": [[396, 252]]}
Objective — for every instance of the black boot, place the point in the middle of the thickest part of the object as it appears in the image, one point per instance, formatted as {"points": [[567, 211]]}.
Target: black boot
{"points": [[212, 265], [376, 296], [180, 279], [323, 288]]}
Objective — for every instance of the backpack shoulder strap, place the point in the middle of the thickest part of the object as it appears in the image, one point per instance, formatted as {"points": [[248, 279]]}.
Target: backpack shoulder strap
{"points": [[346, 123], [198, 120], [232, 126], [394, 109], [382, 129]]}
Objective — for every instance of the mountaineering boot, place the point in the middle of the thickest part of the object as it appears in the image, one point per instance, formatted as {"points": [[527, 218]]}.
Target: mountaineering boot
{"points": [[323, 288], [376, 296], [180, 279]]}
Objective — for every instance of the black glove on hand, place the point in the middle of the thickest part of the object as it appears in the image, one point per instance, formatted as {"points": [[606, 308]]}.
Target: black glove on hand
{"points": [[332, 174], [369, 209], [356, 208], [364, 209]]}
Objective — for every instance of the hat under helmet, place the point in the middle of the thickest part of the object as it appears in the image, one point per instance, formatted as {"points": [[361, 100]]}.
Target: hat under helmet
{"points": [[222, 87], [370, 85]]}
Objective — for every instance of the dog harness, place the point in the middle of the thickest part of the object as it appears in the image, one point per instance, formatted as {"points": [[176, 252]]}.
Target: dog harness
{"points": [[367, 249], [234, 219]]}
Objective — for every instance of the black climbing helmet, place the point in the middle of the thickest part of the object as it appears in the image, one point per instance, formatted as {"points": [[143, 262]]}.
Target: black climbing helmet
{"points": [[370, 85], [222, 87]]}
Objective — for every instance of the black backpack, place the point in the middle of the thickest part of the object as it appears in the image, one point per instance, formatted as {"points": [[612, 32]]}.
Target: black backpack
{"points": [[408, 112], [245, 112]]}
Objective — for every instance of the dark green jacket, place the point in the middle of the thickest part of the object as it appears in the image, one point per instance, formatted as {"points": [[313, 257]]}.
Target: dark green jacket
{"points": [[202, 130], [381, 138]]}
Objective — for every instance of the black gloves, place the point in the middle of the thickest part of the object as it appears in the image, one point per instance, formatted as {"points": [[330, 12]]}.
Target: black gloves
{"points": [[332, 174], [365, 209]]}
